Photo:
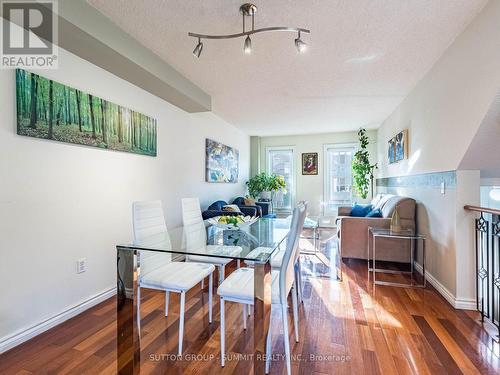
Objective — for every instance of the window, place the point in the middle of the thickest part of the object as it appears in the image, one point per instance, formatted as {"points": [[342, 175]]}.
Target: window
{"points": [[338, 177], [280, 160]]}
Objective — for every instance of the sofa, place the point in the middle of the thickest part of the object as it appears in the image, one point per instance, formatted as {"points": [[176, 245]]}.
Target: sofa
{"points": [[216, 209], [261, 207], [353, 231]]}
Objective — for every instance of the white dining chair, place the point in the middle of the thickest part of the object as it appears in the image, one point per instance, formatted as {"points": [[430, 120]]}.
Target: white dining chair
{"points": [[196, 237], [277, 260], [157, 271], [239, 287]]}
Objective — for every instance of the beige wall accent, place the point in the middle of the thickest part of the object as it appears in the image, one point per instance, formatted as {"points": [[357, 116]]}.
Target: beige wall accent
{"points": [[308, 187]]}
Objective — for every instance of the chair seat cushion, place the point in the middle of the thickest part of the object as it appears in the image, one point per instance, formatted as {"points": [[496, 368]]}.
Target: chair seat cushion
{"points": [[177, 275], [216, 250], [239, 285]]}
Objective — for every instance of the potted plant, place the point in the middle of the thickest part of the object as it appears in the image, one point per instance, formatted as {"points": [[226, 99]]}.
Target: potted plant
{"points": [[362, 170], [263, 185]]}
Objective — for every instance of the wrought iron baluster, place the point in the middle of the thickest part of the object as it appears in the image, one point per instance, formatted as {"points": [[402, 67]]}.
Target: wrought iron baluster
{"points": [[495, 249], [482, 273]]}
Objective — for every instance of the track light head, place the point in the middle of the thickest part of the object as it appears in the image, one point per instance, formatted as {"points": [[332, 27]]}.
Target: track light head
{"points": [[300, 45], [247, 47], [199, 47]]}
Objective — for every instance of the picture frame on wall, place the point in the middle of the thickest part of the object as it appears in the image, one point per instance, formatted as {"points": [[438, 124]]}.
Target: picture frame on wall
{"points": [[221, 162], [310, 163], [397, 149], [51, 110]]}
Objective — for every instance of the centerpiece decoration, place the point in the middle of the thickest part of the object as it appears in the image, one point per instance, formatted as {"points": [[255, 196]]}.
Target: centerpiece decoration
{"points": [[232, 222]]}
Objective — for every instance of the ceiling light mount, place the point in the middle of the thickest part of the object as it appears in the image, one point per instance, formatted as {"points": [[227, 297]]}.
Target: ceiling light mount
{"points": [[249, 10]]}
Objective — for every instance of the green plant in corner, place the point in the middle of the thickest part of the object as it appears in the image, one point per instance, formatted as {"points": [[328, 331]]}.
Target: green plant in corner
{"points": [[362, 170], [265, 182]]}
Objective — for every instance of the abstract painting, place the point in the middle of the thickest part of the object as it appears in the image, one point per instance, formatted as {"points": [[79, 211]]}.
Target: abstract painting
{"points": [[221, 162], [398, 147], [50, 110], [310, 163]]}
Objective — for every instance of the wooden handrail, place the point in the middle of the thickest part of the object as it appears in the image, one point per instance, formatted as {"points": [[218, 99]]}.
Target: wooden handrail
{"points": [[482, 209]]}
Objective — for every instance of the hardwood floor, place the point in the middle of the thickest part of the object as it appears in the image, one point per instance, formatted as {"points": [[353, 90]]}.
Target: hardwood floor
{"points": [[345, 328]]}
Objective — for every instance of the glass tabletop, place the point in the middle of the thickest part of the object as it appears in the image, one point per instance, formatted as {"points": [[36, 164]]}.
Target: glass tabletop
{"points": [[405, 233], [255, 242]]}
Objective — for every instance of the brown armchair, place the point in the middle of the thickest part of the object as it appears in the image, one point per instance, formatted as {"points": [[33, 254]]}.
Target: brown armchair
{"points": [[353, 231]]}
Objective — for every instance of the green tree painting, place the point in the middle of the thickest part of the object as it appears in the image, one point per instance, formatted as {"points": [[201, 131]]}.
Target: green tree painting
{"points": [[50, 110]]}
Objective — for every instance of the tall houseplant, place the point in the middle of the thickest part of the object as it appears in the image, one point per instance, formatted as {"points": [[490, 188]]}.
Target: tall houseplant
{"points": [[362, 170], [264, 182]]}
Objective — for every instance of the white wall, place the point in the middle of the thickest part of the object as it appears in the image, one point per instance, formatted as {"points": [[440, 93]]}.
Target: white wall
{"points": [[444, 111], [60, 202], [442, 114], [309, 187]]}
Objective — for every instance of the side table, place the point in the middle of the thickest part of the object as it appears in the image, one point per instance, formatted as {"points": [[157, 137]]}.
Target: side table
{"points": [[409, 235]]}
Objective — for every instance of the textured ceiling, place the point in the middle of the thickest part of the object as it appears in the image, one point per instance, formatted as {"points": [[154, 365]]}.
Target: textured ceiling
{"points": [[364, 56]]}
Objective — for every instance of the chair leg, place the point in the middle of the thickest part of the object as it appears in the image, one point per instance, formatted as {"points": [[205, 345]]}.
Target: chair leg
{"points": [[298, 278], [244, 308], [167, 300], [286, 339], [295, 311], [268, 349], [139, 310], [221, 273], [181, 321], [210, 291], [202, 284], [222, 333]]}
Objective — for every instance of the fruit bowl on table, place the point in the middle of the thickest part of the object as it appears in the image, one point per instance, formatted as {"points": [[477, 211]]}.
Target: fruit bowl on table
{"points": [[232, 222]]}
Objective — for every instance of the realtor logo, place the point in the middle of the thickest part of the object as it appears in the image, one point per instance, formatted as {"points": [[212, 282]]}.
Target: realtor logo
{"points": [[29, 32]]}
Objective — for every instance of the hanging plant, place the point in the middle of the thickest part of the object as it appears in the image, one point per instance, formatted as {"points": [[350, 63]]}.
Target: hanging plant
{"points": [[362, 170]]}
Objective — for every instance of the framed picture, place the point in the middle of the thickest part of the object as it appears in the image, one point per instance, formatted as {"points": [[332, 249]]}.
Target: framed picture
{"points": [[310, 163], [50, 110], [221, 162], [398, 147]]}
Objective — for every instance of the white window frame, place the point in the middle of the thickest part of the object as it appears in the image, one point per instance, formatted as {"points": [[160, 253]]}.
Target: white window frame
{"points": [[293, 174], [326, 147]]}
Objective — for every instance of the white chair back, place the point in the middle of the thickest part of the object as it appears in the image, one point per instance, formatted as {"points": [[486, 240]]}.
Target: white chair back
{"points": [[301, 220], [195, 235], [150, 230], [288, 263]]}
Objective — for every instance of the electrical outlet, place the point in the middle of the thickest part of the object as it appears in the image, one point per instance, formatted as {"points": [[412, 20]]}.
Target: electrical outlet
{"points": [[81, 265]]}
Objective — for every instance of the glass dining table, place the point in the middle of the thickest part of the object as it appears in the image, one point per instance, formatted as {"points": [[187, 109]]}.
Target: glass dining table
{"points": [[257, 241]]}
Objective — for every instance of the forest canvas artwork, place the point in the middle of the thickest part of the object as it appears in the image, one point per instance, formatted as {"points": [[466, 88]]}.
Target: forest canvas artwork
{"points": [[50, 110], [221, 162]]}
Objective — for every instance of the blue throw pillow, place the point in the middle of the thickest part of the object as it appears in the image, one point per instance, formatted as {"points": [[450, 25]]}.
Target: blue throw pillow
{"points": [[359, 210], [375, 213]]}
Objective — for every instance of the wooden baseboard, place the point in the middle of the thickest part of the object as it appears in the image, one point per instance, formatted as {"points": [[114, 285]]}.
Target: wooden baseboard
{"points": [[11, 341], [462, 304]]}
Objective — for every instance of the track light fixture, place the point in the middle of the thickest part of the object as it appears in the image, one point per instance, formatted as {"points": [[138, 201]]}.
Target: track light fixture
{"points": [[300, 45], [247, 47], [249, 10], [199, 47]]}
